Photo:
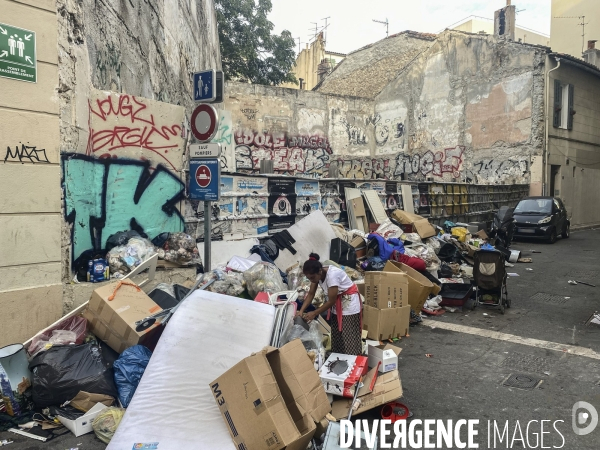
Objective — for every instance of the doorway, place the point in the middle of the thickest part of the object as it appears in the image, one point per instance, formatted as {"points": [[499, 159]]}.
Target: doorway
{"points": [[554, 181]]}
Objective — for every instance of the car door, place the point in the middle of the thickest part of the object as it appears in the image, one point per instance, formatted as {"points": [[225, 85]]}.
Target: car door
{"points": [[559, 210], [564, 211]]}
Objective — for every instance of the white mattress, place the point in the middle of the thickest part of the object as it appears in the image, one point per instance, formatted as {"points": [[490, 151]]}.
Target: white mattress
{"points": [[173, 404]]}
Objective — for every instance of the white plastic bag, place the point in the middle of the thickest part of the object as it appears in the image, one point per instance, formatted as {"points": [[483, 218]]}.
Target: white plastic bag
{"points": [[263, 277]]}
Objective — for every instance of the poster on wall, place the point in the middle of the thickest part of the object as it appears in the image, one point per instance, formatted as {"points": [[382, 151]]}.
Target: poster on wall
{"points": [[282, 186], [377, 186], [307, 188], [306, 205], [251, 185], [424, 206], [329, 188], [251, 206], [282, 205], [227, 186], [277, 224], [246, 227]]}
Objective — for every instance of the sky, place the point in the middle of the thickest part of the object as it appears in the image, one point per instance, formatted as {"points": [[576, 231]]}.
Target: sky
{"points": [[351, 23]]}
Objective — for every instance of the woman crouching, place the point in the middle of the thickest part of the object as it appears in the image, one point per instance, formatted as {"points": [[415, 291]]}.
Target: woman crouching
{"points": [[342, 303]]}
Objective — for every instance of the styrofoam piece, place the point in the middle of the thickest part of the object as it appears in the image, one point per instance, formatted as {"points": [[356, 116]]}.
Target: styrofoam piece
{"points": [[240, 264], [221, 251], [312, 234], [407, 198], [173, 404]]}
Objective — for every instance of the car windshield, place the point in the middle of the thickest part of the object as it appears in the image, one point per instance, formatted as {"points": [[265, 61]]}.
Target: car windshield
{"points": [[534, 206]]}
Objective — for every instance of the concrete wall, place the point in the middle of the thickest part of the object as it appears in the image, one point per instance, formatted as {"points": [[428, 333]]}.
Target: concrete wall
{"points": [[30, 211], [565, 33], [125, 99], [301, 131], [469, 108], [577, 151]]}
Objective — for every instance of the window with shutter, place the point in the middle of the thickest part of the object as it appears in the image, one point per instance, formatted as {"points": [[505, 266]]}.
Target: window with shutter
{"points": [[557, 103], [571, 112]]}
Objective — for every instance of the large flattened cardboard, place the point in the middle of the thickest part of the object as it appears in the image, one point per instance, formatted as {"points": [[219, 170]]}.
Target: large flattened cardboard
{"points": [[173, 404], [386, 289], [272, 399], [388, 387], [421, 225], [383, 324], [419, 286], [113, 321], [312, 234]]}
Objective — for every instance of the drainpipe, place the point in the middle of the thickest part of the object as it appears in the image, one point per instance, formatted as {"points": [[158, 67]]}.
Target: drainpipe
{"points": [[547, 144]]}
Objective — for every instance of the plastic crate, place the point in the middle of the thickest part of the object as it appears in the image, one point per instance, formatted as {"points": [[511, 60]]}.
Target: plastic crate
{"points": [[455, 294]]}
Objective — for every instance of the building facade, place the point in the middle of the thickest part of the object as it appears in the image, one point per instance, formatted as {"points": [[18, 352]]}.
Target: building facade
{"points": [[566, 29]]}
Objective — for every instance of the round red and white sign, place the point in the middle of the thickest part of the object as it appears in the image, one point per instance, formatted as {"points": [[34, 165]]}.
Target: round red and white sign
{"points": [[204, 122], [203, 176]]}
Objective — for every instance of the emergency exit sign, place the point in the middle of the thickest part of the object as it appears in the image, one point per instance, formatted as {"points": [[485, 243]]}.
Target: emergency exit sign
{"points": [[17, 53]]}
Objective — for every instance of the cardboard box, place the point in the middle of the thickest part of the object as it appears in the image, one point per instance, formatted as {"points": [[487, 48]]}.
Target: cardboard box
{"points": [[272, 399], [114, 321], [419, 286], [386, 289], [421, 225], [82, 425], [383, 324], [387, 388], [342, 383], [383, 356]]}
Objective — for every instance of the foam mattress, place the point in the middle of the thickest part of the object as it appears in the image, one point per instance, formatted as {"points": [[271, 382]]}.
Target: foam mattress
{"points": [[173, 404]]}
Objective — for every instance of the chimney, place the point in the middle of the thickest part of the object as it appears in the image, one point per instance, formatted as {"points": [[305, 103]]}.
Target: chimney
{"points": [[504, 22], [592, 54], [301, 83]]}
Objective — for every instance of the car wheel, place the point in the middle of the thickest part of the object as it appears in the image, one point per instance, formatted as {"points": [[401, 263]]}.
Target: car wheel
{"points": [[552, 238], [565, 234]]}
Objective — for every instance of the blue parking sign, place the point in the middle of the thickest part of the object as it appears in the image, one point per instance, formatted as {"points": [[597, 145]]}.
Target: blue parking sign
{"points": [[205, 86], [205, 179]]}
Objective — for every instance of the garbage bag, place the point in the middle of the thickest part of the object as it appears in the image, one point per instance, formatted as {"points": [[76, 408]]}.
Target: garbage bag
{"points": [[311, 339], [61, 372], [120, 238], [295, 276], [129, 369], [125, 258], [43, 341], [180, 248], [106, 423], [263, 277]]}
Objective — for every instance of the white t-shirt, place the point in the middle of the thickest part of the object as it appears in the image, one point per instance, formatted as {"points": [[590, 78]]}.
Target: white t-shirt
{"points": [[337, 277]]}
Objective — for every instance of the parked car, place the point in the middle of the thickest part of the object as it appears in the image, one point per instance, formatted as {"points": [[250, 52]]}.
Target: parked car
{"points": [[541, 217]]}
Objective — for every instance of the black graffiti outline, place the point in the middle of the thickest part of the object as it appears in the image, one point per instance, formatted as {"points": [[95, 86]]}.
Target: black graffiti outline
{"points": [[97, 224], [26, 152]]}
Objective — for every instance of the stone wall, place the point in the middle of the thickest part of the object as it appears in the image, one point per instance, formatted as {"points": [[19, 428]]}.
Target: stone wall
{"points": [[125, 96], [469, 108]]}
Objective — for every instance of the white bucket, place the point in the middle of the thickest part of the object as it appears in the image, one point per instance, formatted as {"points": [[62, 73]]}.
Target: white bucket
{"points": [[15, 378], [514, 256]]}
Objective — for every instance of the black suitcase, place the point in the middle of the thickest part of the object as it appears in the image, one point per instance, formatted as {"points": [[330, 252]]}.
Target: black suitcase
{"points": [[342, 253]]}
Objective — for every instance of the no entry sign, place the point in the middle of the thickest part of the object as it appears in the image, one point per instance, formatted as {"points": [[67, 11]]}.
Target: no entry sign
{"points": [[205, 179], [204, 122]]}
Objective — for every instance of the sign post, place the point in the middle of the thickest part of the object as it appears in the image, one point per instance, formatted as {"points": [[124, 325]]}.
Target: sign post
{"points": [[17, 53], [205, 167]]}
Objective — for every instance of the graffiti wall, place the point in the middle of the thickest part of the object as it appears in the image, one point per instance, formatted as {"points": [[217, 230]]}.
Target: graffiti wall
{"points": [[125, 126], [105, 196]]}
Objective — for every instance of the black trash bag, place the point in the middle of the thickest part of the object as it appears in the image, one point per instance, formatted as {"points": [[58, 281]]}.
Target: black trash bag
{"points": [[450, 253], [80, 265], [62, 371], [121, 238], [160, 240]]}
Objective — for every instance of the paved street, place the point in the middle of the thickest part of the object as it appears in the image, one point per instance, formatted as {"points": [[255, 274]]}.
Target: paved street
{"points": [[543, 336]]}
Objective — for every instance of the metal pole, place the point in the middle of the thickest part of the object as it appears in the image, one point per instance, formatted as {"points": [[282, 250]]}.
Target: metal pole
{"points": [[207, 233]]}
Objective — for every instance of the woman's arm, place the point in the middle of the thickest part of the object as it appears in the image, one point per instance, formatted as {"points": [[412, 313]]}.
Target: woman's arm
{"points": [[332, 294], [308, 299]]}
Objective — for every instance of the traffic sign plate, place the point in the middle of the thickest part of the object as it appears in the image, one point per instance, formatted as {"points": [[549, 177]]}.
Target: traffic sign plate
{"points": [[205, 86], [204, 122], [17, 53], [205, 179], [210, 150]]}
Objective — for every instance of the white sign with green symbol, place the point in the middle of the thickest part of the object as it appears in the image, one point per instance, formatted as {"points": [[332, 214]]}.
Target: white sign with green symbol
{"points": [[17, 53]]}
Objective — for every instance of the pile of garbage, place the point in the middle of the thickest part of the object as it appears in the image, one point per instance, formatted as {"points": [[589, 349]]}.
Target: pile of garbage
{"points": [[89, 364]]}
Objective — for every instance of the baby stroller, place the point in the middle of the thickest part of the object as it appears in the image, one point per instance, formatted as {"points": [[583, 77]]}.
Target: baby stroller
{"points": [[489, 273]]}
